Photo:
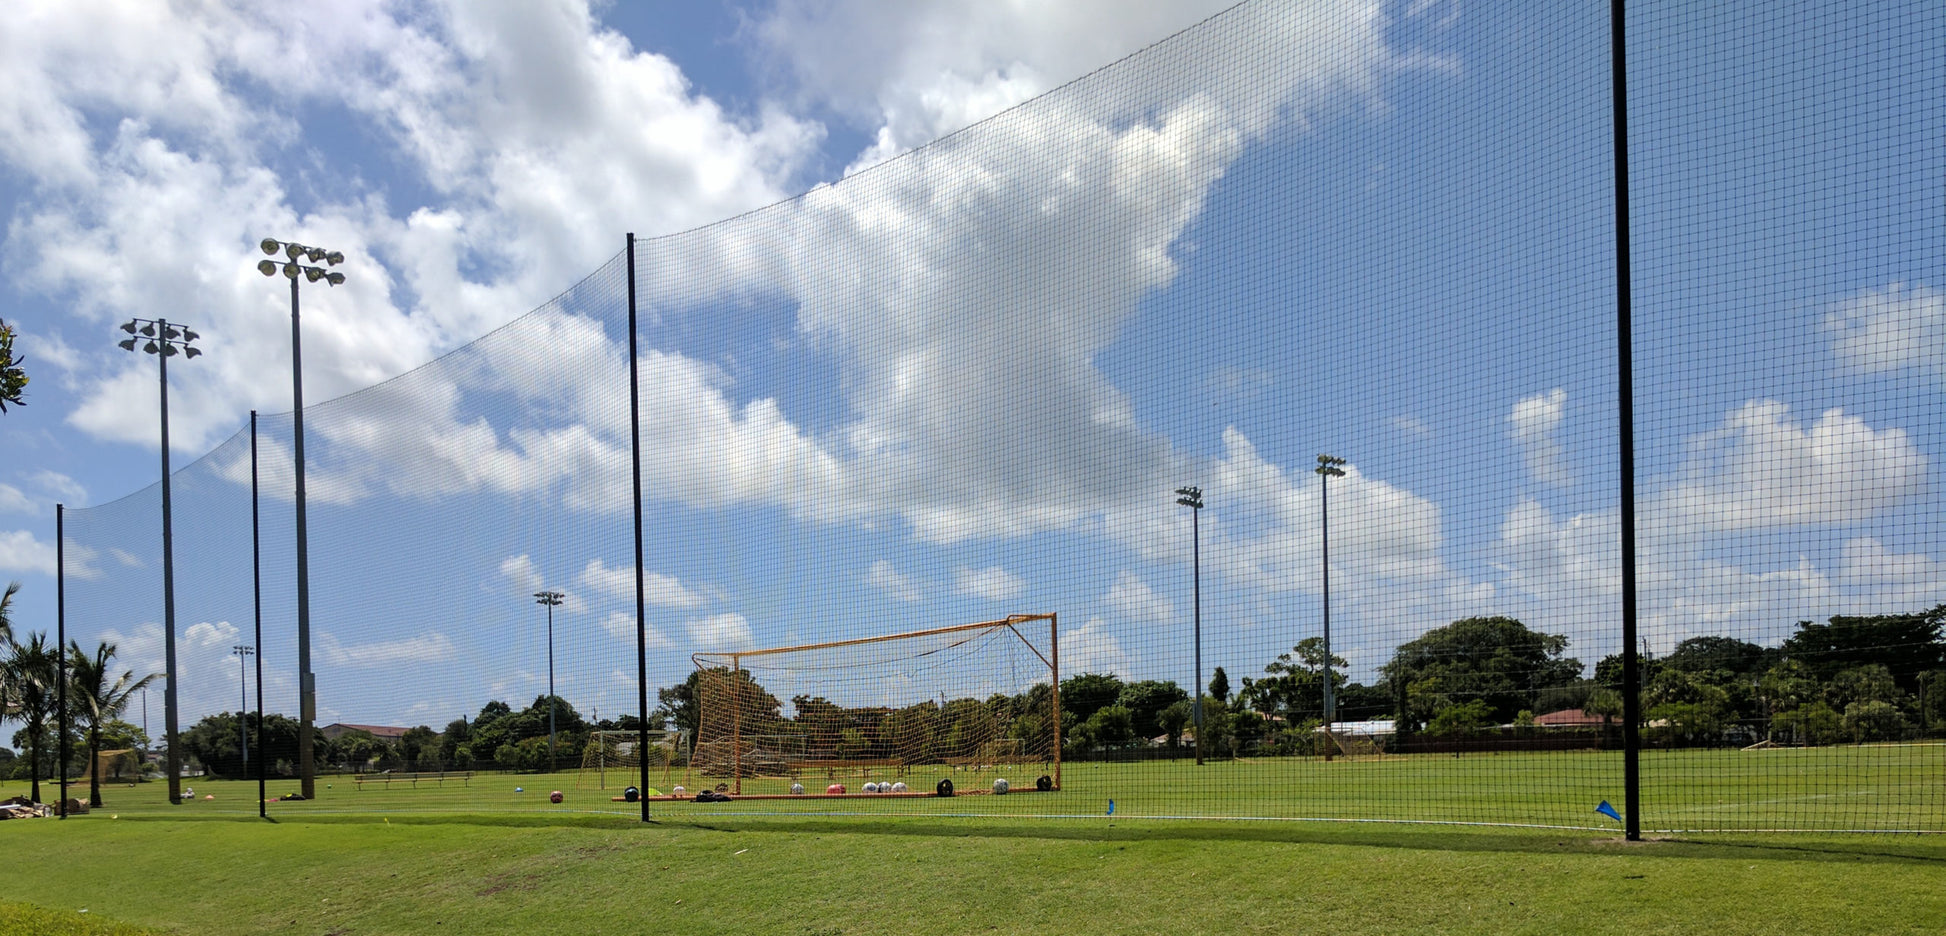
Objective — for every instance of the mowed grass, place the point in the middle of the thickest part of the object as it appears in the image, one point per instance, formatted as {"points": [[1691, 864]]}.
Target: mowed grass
{"points": [[1841, 788], [568, 874], [483, 859]]}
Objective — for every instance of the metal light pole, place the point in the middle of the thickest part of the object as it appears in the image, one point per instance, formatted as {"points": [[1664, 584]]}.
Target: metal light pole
{"points": [[550, 599], [1327, 469], [243, 653], [1192, 498], [166, 341], [307, 690]]}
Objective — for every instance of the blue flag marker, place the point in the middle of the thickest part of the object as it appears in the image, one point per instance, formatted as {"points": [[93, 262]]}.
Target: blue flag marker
{"points": [[1608, 811], [1111, 807]]}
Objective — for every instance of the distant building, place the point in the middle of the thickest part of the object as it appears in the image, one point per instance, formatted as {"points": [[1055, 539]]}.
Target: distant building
{"points": [[387, 733], [1568, 718]]}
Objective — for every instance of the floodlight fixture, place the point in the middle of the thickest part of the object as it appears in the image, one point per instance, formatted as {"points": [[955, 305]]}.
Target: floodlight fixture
{"points": [[166, 341], [1328, 468], [551, 599], [1192, 498], [298, 273]]}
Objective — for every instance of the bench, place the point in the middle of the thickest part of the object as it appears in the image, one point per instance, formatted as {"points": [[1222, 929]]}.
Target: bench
{"points": [[464, 777]]}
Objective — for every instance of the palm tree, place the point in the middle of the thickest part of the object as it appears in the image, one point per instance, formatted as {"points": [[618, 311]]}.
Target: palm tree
{"points": [[30, 672], [6, 615], [99, 700]]}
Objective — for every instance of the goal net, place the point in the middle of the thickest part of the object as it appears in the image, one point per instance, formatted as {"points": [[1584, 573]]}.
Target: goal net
{"points": [[960, 701], [616, 757]]}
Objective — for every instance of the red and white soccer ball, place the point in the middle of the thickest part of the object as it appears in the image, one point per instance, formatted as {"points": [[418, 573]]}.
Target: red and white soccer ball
{"points": [[835, 789], [555, 797]]}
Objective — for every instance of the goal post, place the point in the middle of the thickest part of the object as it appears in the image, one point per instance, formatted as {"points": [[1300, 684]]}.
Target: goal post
{"points": [[949, 700]]}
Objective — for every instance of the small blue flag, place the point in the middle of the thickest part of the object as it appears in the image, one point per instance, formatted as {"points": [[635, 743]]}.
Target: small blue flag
{"points": [[1111, 807], [1608, 811]]}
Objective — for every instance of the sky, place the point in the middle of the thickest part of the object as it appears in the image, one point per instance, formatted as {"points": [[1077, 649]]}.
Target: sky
{"points": [[907, 363]]}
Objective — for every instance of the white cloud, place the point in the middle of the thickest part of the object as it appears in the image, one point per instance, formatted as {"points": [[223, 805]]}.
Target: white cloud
{"points": [[898, 587], [1411, 425], [1763, 469], [1135, 601], [521, 571], [1881, 581], [127, 558], [1093, 648], [12, 500], [726, 631], [1891, 329], [992, 583], [1533, 423], [429, 647], [621, 625], [21, 551], [663, 591]]}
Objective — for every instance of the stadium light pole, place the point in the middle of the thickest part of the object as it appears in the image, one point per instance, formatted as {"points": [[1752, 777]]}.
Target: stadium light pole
{"points": [[1192, 498], [551, 599], [165, 341], [243, 652], [1327, 469], [307, 697]]}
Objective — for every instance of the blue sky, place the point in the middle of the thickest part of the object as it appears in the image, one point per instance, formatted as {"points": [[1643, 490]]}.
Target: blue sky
{"points": [[945, 386]]}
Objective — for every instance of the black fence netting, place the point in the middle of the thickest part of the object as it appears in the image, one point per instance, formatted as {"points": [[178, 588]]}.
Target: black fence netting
{"points": [[1250, 406]]}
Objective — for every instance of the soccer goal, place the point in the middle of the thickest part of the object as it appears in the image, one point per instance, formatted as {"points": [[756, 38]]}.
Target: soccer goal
{"points": [[963, 701], [621, 753]]}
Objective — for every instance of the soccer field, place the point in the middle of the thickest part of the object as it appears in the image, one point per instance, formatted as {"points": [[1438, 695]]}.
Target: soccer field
{"points": [[1838, 788]]}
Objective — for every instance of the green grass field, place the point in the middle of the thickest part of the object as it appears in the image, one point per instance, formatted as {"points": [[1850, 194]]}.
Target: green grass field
{"points": [[483, 859], [1840, 788]]}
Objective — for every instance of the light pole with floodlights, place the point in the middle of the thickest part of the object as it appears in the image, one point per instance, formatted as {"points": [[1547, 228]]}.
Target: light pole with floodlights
{"points": [[1192, 498], [1328, 468], [550, 599], [166, 341], [242, 653], [307, 690]]}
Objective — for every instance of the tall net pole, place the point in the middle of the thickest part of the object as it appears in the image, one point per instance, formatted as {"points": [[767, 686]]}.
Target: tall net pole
{"points": [[1625, 403]]}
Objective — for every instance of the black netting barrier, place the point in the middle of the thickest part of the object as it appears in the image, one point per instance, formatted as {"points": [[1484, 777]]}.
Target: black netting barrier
{"points": [[1309, 300]]}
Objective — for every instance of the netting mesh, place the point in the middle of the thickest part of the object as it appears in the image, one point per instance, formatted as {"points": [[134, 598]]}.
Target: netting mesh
{"points": [[970, 380], [968, 705]]}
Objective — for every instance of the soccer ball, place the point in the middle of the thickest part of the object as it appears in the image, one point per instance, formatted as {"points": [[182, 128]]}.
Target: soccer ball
{"points": [[555, 797], [871, 788], [835, 789], [797, 789], [679, 790], [1000, 784], [520, 789], [898, 787]]}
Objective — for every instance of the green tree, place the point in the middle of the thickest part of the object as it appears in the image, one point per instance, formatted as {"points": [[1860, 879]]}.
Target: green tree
{"points": [[6, 614], [677, 704], [1112, 726], [1145, 701], [32, 675], [1808, 723], [1496, 660], [1174, 719], [1296, 683], [13, 378], [419, 749], [1219, 687], [1874, 721], [1703, 654], [1461, 719], [1870, 683], [99, 696], [1905, 644], [1087, 693]]}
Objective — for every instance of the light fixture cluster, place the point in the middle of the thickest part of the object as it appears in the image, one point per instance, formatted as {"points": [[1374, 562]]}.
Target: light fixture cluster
{"points": [[162, 338], [1328, 466], [1192, 497], [292, 267]]}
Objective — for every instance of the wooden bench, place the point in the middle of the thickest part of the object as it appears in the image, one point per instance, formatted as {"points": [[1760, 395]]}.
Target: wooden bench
{"points": [[435, 776]]}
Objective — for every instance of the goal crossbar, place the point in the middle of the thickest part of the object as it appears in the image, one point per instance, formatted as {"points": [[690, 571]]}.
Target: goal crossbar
{"points": [[1009, 621]]}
